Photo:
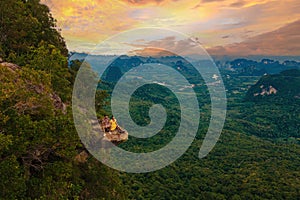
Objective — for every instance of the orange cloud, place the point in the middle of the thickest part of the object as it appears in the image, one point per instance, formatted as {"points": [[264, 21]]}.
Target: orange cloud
{"points": [[142, 2], [283, 41], [153, 52], [166, 46], [87, 22]]}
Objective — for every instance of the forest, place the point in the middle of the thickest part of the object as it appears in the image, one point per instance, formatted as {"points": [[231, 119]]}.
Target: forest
{"points": [[256, 156], [39, 148], [42, 157]]}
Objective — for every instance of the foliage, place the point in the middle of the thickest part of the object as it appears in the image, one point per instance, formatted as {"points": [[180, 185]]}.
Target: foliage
{"points": [[257, 156], [242, 165], [48, 58], [285, 93], [39, 146], [273, 115], [29, 37], [23, 26]]}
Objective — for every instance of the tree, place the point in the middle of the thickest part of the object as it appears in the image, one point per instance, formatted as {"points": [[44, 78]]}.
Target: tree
{"points": [[24, 25], [38, 142]]}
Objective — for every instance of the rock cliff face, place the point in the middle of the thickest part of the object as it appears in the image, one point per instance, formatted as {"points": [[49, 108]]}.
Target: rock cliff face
{"points": [[34, 86], [10, 66], [266, 91], [116, 137], [58, 104]]}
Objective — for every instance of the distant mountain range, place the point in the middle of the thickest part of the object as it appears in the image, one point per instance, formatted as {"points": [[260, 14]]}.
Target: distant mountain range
{"points": [[122, 64], [265, 66], [242, 66]]}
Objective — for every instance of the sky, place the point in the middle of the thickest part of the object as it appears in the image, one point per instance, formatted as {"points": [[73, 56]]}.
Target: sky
{"points": [[222, 27]]}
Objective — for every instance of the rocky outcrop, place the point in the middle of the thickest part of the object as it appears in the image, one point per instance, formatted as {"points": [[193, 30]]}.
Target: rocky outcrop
{"points": [[58, 103], [37, 88], [81, 157], [116, 137], [266, 91], [10, 66]]}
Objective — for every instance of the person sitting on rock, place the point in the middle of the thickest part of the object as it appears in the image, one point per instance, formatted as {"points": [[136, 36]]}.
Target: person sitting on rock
{"points": [[113, 123], [106, 124]]}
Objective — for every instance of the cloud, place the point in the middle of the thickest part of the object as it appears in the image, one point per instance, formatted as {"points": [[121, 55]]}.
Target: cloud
{"points": [[203, 2], [89, 21], [92, 21], [283, 41], [209, 1], [226, 36], [148, 2], [153, 52], [166, 46], [143, 2], [238, 4]]}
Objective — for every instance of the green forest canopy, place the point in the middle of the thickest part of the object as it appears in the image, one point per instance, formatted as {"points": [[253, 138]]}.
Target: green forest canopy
{"points": [[42, 157]]}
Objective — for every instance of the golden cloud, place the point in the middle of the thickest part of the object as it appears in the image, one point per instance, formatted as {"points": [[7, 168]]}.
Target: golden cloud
{"points": [[166, 47], [153, 52], [90, 21], [281, 42], [143, 2]]}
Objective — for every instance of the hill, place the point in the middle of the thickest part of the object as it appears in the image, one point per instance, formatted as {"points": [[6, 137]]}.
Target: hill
{"points": [[247, 67], [270, 108], [41, 156], [279, 87]]}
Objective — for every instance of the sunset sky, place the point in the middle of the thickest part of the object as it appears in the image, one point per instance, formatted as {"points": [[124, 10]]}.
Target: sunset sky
{"points": [[244, 27]]}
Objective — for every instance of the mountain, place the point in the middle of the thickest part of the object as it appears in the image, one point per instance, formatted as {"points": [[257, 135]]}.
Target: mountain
{"points": [[120, 66], [270, 109], [124, 63], [39, 146], [247, 67], [284, 87]]}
